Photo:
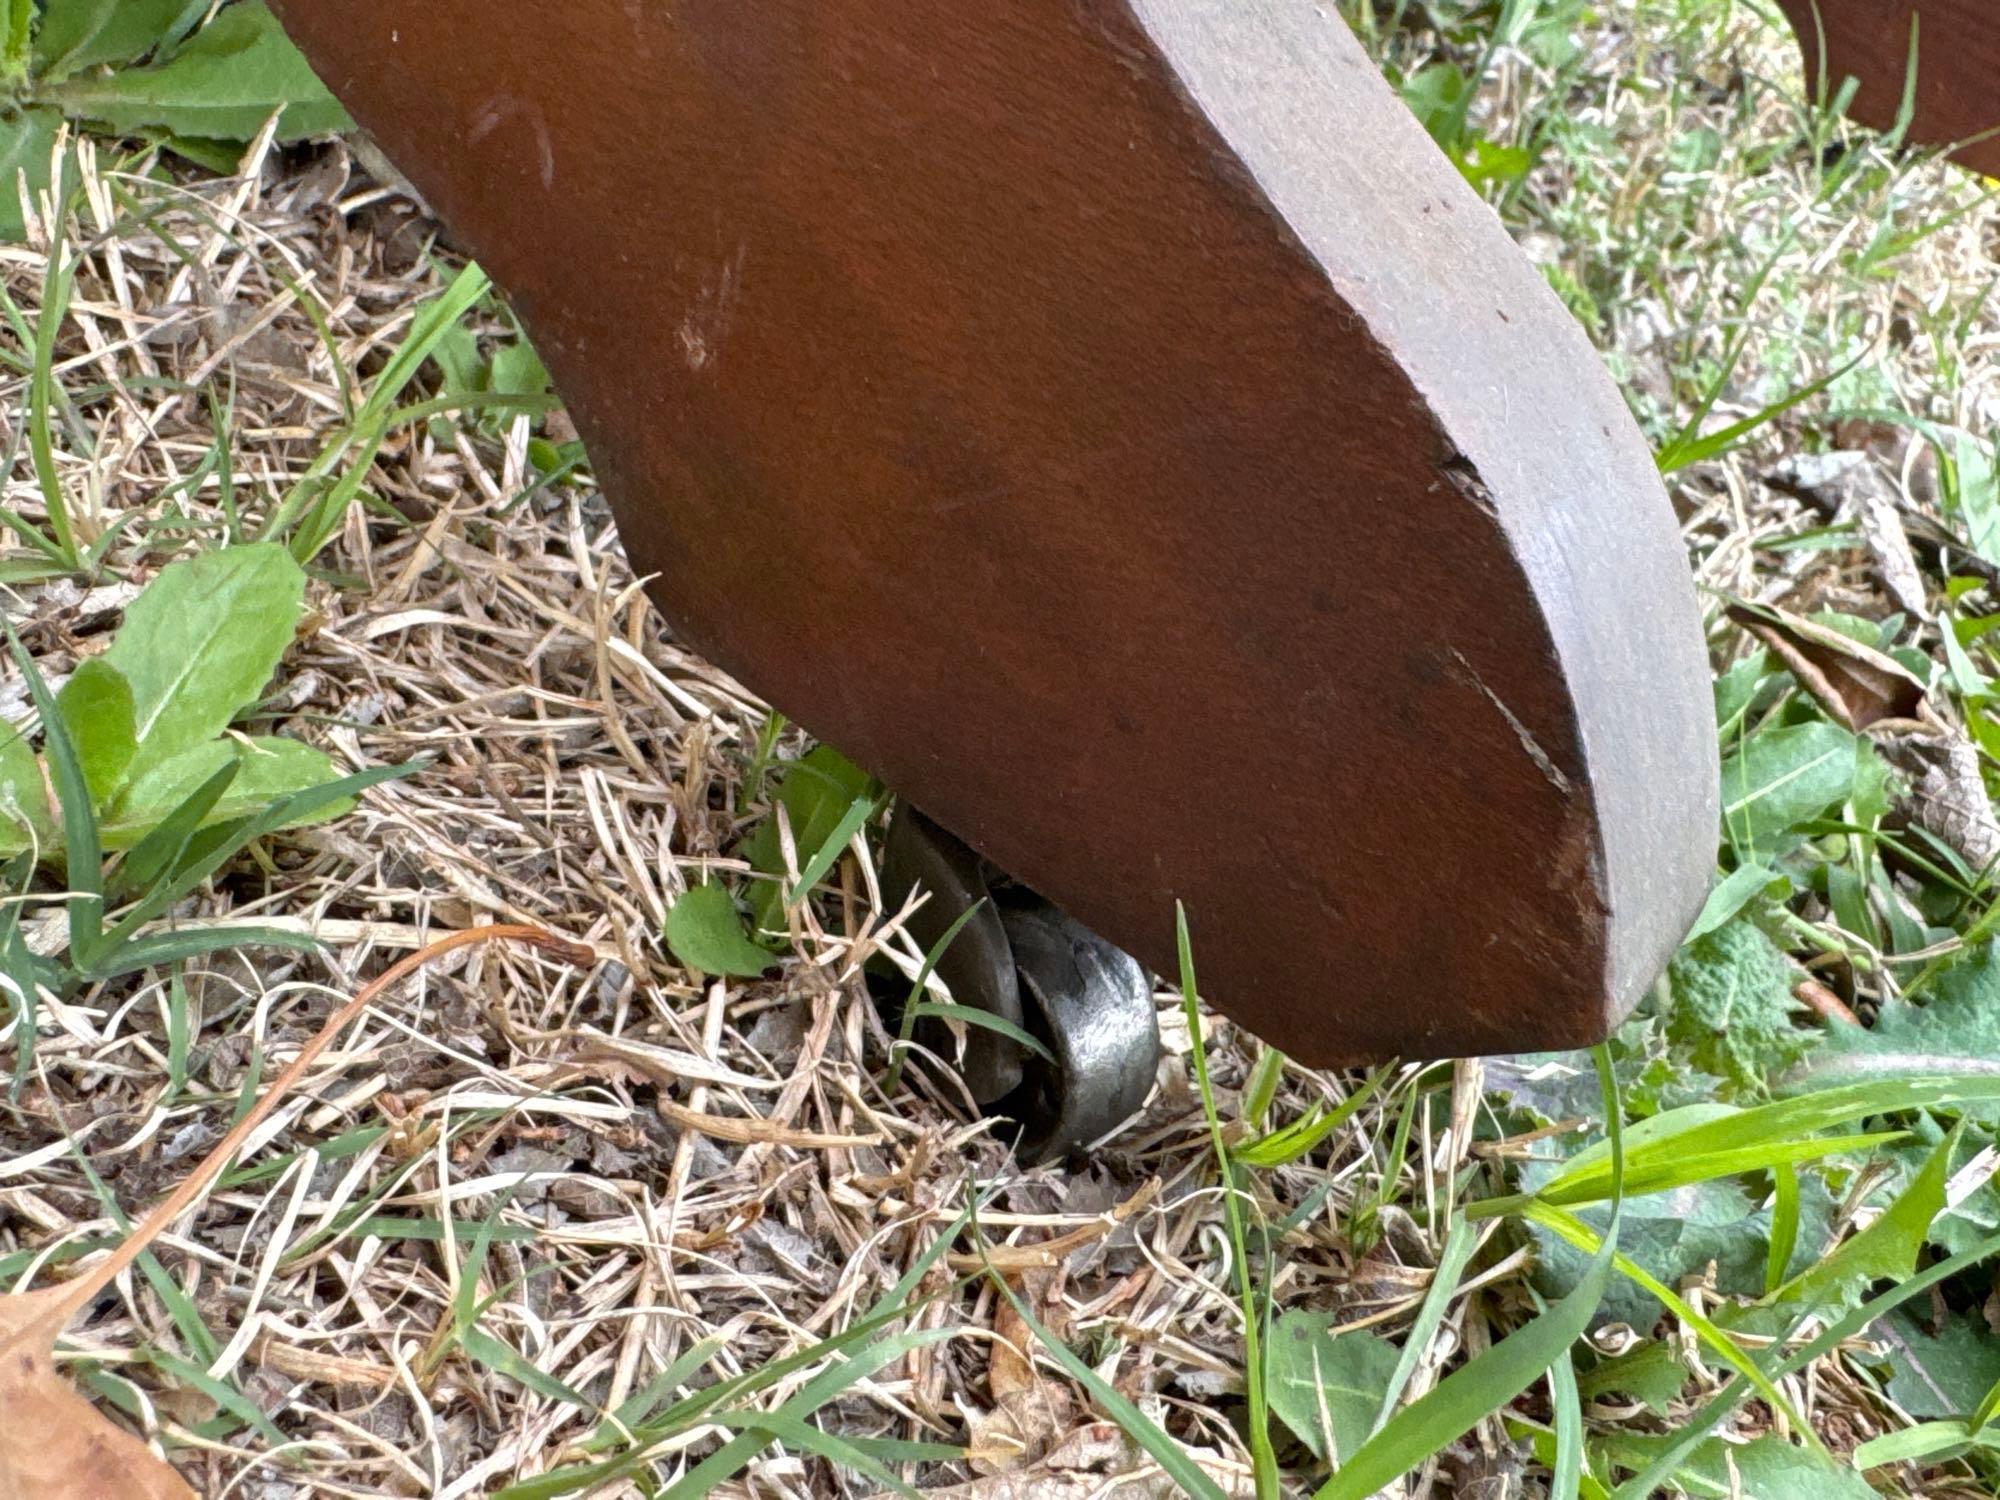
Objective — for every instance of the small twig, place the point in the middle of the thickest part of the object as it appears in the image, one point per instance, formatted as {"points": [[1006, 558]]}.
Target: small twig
{"points": [[1824, 1002], [1009, 1259]]}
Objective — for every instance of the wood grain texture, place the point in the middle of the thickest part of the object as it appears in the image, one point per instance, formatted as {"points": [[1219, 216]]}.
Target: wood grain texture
{"points": [[1957, 94], [1115, 426]]}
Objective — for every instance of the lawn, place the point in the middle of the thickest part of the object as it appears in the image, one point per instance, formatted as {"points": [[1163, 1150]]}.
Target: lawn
{"points": [[592, 1215]]}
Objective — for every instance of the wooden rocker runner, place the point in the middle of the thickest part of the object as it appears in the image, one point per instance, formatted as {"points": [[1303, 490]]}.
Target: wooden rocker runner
{"points": [[1113, 424]]}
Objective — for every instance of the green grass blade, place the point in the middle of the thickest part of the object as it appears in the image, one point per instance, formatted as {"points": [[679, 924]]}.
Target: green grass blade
{"points": [[1488, 1383], [1135, 1424], [907, 1027], [1784, 1225], [1690, 447], [1581, 1235], [1293, 1142], [1256, 1374], [160, 850], [802, 1436], [830, 1383], [56, 283], [83, 856], [174, 947], [1566, 1404], [1668, 1461], [938, 1010], [851, 822], [1457, 1254]]}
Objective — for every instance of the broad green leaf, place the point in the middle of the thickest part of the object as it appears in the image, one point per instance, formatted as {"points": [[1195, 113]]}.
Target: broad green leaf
{"points": [[1766, 1468], [516, 370], [154, 856], [96, 708], [1731, 1008], [268, 768], [25, 816], [1733, 892], [1941, 1373], [819, 793], [1975, 492], [1738, 689], [199, 644], [1674, 1235], [1955, 1030], [1653, 1374], [1439, 96], [1783, 777], [229, 78], [1548, 1088], [1326, 1384], [27, 141], [1706, 1329], [1676, 1449], [704, 932], [77, 34], [1887, 1248]]}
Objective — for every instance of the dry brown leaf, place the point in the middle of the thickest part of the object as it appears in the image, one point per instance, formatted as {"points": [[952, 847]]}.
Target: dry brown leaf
{"points": [[1881, 522], [749, 1130], [1009, 1259], [1858, 686], [1090, 1463], [1030, 1412], [1858, 483], [54, 1445], [1947, 796]]}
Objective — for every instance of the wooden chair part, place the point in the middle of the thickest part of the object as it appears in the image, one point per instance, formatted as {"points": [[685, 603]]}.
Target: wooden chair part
{"points": [[1957, 94], [1114, 424]]}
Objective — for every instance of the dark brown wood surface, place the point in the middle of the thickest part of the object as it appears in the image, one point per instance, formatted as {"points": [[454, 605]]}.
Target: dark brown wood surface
{"points": [[1117, 427], [1957, 97]]}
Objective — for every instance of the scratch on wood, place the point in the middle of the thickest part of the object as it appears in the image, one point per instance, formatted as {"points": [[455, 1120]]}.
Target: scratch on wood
{"points": [[1549, 769]]}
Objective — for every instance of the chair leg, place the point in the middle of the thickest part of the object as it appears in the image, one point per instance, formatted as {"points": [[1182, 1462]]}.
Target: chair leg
{"points": [[1956, 97], [1114, 424]]}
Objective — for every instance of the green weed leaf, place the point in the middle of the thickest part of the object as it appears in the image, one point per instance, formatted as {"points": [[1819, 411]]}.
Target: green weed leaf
{"points": [[229, 78], [25, 818], [267, 768], [77, 34], [1326, 1384], [1957, 1030], [96, 708], [1945, 1373], [1491, 1380], [1671, 1236], [1767, 1468], [1732, 1006], [820, 793], [27, 144], [199, 644], [1886, 1249], [705, 933], [1783, 777]]}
